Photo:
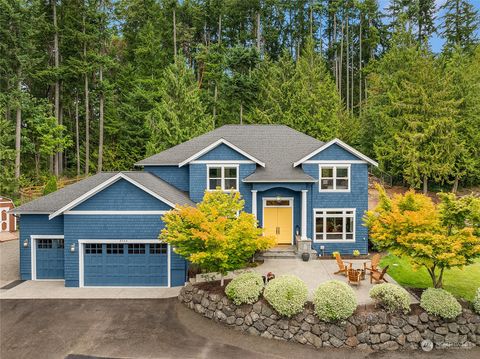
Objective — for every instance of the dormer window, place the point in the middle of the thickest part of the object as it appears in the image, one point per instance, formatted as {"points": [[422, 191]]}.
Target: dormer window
{"points": [[334, 178], [223, 177]]}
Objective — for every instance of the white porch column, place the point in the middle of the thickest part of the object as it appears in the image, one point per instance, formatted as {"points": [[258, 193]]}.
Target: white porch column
{"points": [[304, 214], [254, 202]]}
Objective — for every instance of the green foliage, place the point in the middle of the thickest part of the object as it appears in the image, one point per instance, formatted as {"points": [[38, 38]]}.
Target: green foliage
{"points": [[50, 186], [245, 288], [179, 115], [287, 294], [7, 157], [439, 302], [334, 300], [437, 238], [476, 302], [212, 235], [392, 297]]}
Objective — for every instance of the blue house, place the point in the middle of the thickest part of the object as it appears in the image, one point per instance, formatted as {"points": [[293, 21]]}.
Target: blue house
{"points": [[103, 230]]}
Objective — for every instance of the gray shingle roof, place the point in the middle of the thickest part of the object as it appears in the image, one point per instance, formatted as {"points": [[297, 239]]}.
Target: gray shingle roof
{"points": [[59, 199], [278, 146]]}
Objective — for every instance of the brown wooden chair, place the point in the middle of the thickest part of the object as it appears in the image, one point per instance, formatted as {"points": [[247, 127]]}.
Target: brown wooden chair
{"points": [[378, 276], [342, 268], [354, 276], [372, 265]]}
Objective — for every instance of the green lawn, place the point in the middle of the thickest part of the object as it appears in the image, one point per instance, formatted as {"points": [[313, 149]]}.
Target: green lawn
{"points": [[460, 282]]}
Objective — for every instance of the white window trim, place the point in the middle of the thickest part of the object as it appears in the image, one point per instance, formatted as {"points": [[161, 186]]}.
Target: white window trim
{"points": [[33, 252], [81, 265], [291, 205], [334, 165], [343, 215], [222, 166]]}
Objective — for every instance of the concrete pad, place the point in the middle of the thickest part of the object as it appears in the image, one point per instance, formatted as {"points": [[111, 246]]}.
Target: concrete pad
{"points": [[55, 289], [8, 236], [9, 259], [315, 272]]}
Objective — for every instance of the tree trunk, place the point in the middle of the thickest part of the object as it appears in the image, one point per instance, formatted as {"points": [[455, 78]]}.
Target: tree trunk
{"points": [[57, 81], [425, 184], [439, 283], [77, 136], [360, 70], [100, 129], [347, 70], [241, 113], [336, 50], [222, 280], [18, 127], [455, 185], [87, 111], [215, 97], [258, 32], [341, 63], [174, 36], [220, 29]]}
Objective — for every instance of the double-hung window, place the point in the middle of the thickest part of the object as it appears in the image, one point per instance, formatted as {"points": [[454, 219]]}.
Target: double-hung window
{"points": [[334, 225], [222, 177], [334, 178]]}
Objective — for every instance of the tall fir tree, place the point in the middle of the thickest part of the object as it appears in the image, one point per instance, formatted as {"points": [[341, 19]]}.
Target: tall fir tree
{"points": [[459, 25], [179, 115]]}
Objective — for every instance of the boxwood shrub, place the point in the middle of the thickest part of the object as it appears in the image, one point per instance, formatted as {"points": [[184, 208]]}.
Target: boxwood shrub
{"points": [[287, 294], [392, 297], [245, 288], [439, 302], [476, 302], [334, 300]]}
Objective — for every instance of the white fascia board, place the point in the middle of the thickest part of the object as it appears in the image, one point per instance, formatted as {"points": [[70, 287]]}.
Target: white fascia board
{"points": [[102, 186], [342, 144], [217, 143]]}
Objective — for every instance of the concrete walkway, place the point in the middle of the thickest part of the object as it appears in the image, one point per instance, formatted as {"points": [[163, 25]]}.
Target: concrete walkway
{"points": [[55, 289], [9, 254], [315, 272]]}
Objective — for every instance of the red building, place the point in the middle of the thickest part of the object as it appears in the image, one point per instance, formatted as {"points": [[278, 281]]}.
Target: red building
{"points": [[8, 222]]}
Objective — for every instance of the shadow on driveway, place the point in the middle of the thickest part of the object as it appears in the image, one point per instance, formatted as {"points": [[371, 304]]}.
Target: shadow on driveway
{"points": [[145, 328]]}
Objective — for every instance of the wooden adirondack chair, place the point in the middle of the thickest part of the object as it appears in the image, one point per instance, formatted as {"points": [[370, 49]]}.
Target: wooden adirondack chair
{"points": [[372, 265], [378, 276], [342, 268], [354, 276]]}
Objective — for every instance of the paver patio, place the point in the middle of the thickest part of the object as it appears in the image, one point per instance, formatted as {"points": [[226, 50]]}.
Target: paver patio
{"points": [[315, 272]]}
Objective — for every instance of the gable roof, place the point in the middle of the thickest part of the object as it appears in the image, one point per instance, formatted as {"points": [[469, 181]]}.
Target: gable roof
{"points": [[68, 197], [340, 143], [276, 146]]}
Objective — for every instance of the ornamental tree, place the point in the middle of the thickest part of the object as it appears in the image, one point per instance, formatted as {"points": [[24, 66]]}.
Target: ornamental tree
{"points": [[216, 234], [437, 237]]}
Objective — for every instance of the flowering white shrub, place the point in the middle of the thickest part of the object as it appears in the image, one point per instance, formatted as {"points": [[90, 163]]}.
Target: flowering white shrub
{"points": [[334, 300], [287, 294], [245, 288], [476, 302], [439, 302], [392, 297]]}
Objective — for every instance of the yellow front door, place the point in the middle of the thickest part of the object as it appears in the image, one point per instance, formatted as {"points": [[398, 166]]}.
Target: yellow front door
{"points": [[277, 222]]}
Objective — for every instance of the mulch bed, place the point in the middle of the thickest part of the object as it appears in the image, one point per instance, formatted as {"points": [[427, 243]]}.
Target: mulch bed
{"points": [[213, 287]]}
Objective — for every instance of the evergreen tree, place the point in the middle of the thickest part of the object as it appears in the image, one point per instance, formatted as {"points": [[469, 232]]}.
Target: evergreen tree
{"points": [[301, 95], [179, 115], [459, 25]]}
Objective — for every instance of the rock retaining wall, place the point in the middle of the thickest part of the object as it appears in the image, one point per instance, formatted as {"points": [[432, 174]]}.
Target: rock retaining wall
{"points": [[377, 330]]}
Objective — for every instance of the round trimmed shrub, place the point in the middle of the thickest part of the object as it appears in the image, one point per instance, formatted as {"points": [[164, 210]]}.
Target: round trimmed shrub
{"points": [[392, 297], [334, 300], [245, 288], [287, 294], [476, 302], [439, 302]]}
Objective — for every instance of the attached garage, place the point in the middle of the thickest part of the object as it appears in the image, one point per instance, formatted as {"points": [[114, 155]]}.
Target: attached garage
{"points": [[48, 257], [124, 263]]}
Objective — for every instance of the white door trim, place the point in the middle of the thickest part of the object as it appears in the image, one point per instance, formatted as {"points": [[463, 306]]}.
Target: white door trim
{"points": [[7, 220], [33, 250], [290, 199], [81, 263]]}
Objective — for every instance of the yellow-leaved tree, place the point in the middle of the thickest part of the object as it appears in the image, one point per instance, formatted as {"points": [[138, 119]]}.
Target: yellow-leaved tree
{"points": [[437, 237], [216, 234]]}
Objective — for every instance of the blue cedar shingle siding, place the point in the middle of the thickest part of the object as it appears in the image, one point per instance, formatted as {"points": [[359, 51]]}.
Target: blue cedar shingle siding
{"points": [[122, 196], [334, 152], [110, 227], [198, 182], [176, 176], [35, 224], [222, 152], [357, 198]]}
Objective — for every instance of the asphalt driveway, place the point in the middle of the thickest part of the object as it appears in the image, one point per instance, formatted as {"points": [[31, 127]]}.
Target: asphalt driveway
{"points": [[144, 328]]}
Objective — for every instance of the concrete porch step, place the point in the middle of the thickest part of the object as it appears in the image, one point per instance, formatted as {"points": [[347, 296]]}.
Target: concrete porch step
{"points": [[278, 252]]}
